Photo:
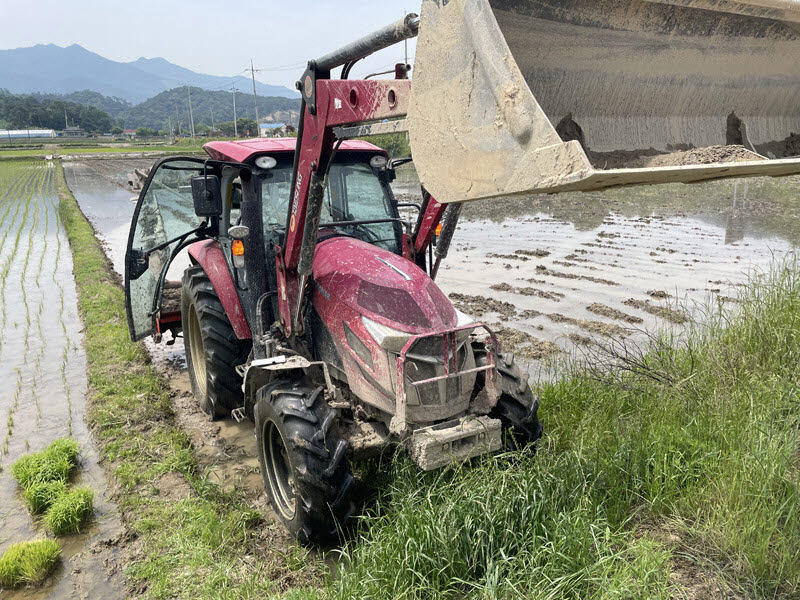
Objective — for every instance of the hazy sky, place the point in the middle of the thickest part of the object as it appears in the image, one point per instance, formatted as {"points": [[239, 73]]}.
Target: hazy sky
{"points": [[216, 38]]}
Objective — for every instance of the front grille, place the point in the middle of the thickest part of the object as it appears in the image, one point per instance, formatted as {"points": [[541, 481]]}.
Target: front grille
{"points": [[425, 360]]}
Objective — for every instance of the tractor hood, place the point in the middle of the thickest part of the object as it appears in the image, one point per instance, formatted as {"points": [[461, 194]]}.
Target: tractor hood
{"points": [[382, 286]]}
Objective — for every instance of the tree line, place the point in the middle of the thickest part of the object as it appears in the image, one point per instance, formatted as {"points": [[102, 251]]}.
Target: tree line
{"points": [[29, 112], [164, 113]]}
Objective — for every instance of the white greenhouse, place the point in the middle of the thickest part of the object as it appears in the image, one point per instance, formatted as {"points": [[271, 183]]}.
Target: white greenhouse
{"points": [[26, 133]]}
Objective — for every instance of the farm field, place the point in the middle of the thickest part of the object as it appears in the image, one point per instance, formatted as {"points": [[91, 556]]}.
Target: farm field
{"points": [[630, 494], [697, 246], [44, 372]]}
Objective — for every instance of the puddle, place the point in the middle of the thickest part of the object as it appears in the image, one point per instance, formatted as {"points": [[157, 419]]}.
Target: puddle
{"points": [[42, 394]]}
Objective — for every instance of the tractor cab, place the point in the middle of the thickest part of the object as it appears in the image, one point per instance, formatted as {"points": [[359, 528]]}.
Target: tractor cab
{"points": [[358, 204]]}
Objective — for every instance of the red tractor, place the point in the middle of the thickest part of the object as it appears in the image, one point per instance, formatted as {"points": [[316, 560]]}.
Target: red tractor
{"points": [[310, 306], [334, 351]]}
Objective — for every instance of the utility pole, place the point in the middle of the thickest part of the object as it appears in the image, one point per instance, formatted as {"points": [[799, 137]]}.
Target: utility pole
{"points": [[191, 116], [235, 129], [255, 98], [66, 123], [178, 119], [212, 121], [169, 121]]}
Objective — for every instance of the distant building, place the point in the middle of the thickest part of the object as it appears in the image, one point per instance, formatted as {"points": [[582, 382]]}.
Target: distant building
{"points": [[26, 133], [73, 131], [271, 129], [129, 133]]}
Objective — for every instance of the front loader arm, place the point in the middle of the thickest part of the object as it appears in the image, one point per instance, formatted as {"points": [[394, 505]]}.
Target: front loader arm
{"points": [[326, 104]]}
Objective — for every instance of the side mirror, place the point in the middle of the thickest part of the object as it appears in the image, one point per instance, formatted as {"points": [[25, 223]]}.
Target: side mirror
{"points": [[207, 196]]}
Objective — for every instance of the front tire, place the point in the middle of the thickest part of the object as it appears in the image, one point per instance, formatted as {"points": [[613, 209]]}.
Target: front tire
{"points": [[303, 461], [517, 406], [212, 348]]}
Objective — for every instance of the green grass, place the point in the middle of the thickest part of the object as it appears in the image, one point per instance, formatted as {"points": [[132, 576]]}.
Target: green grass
{"points": [[69, 511], [28, 563], [208, 544], [54, 463], [687, 453], [40, 495]]}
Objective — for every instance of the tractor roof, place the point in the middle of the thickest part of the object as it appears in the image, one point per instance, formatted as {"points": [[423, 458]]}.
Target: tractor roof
{"points": [[241, 150]]}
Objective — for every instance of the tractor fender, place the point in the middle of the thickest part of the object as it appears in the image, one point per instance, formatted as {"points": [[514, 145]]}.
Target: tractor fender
{"points": [[262, 371], [208, 255]]}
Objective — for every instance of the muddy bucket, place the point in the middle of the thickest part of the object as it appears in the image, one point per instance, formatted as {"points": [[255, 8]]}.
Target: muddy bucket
{"points": [[543, 96]]}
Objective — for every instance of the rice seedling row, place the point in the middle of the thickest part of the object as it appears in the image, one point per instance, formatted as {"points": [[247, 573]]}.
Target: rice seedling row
{"points": [[21, 197]]}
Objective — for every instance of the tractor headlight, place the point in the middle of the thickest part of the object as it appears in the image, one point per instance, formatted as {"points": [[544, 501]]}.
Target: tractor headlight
{"points": [[387, 338], [463, 319]]}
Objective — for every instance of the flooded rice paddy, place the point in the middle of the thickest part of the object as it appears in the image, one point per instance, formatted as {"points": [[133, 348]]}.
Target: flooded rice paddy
{"points": [[43, 377], [558, 273]]}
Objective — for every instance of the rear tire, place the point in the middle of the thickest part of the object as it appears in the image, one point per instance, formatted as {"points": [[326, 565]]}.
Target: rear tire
{"points": [[212, 348], [303, 461], [517, 406]]}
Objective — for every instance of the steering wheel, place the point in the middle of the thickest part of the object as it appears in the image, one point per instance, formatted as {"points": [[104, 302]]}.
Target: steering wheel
{"points": [[370, 235]]}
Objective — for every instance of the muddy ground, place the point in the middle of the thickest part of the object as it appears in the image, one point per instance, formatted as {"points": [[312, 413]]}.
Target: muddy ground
{"points": [[552, 276], [43, 386]]}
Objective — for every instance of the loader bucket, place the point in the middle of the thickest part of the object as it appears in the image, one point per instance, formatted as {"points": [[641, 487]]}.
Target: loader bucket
{"points": [[544, 96]]}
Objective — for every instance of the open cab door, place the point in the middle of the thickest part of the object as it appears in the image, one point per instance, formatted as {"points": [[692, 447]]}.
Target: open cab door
{"points": [[164, 222]]}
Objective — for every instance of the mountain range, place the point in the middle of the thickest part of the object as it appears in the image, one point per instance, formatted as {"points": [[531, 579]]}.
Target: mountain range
{"points": [[51, 69]]}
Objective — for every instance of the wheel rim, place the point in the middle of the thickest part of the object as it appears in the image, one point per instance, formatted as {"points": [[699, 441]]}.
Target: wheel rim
{"points": [[279, 470], [197, 351]]}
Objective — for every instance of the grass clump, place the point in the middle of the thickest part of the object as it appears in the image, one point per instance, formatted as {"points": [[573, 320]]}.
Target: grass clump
{"points": [[54, 463], [69, 511], [28, 563], [40, 495]]}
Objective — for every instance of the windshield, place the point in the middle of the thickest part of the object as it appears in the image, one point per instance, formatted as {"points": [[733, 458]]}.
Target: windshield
{"points": [[353, 194]]}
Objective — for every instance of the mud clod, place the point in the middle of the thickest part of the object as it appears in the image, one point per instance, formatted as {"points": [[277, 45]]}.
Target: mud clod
{"points": [[663, 312], [612, 313], [580, 340], [524, 345], [478, 305], [607, 329], [538, 253], [658, 294], [501, 287], [542, 270]]}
